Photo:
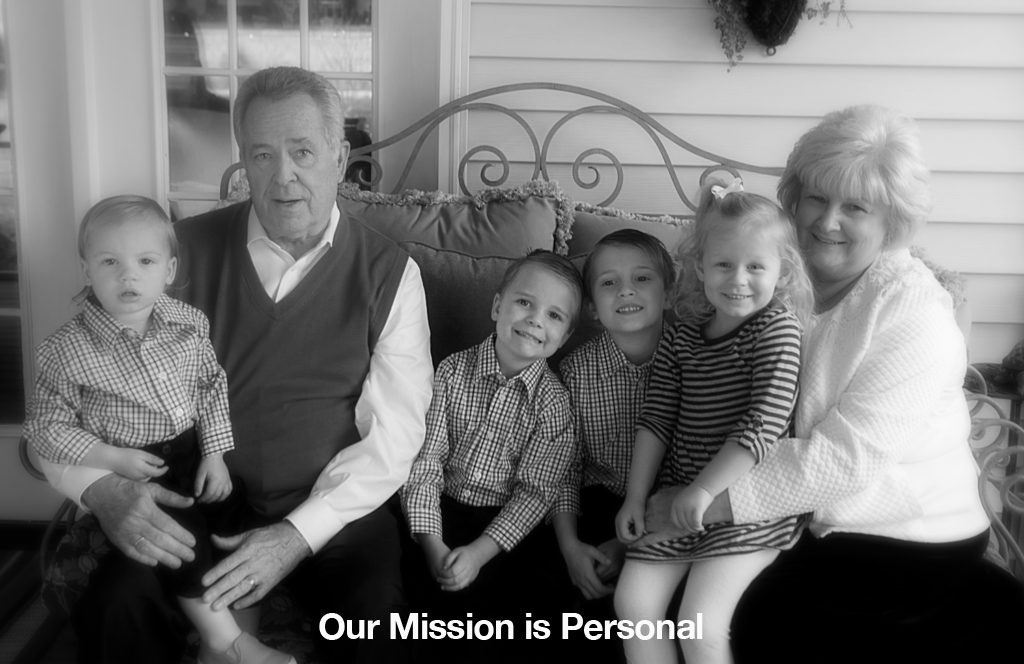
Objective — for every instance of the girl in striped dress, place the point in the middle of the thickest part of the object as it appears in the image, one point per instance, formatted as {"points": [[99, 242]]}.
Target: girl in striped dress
{"points": [[722, 391]]}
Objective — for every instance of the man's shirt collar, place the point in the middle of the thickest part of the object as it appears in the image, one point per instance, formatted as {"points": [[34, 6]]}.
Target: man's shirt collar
{"points": [[256, 233]]}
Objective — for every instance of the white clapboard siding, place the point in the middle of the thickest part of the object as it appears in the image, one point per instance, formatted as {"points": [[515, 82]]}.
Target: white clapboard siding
{"points": [[955, 65], [806, 89], [669, 34]]}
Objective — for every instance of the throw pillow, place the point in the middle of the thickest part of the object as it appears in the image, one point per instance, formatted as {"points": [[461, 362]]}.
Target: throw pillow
{"points": [[460, 290], [590, 223], [492, 222]]}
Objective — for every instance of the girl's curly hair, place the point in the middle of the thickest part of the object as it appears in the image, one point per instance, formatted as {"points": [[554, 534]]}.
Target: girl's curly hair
{"points": [[793, 289]]}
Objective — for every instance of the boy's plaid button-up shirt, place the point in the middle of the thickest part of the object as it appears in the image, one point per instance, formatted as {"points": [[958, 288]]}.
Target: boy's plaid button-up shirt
{"points": [[607, 392], [492, 441], [101, 382]]}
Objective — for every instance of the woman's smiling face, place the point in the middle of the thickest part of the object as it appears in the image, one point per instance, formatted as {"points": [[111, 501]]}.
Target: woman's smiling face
{"points": [[839, 237]]}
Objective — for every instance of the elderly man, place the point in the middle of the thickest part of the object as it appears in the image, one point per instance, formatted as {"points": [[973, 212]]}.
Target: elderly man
{"points": [[321, 326]]}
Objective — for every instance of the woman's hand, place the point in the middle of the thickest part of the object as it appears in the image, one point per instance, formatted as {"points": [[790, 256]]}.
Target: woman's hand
{"points": [[659, 514], [689, 506]]}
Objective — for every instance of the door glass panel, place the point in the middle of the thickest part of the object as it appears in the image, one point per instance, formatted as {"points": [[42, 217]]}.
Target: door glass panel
{"points": [[268, 33], [195, 34], [340, 36], [198, 132]]}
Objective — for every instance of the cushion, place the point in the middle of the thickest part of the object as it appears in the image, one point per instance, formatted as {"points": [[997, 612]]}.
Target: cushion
{"points": [[492, 222], [590, 223], [460, 290]]}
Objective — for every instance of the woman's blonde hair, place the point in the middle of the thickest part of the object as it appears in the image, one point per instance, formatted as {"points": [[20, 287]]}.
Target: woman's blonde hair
{"points": [[793, 289], [868, 153]]}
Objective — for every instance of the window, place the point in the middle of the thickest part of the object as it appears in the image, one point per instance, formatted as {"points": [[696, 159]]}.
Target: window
{"points": [[211, 47], [12, 396]]}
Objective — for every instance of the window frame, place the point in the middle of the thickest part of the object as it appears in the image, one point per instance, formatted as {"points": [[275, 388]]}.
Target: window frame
{"points": [[233, 72]]}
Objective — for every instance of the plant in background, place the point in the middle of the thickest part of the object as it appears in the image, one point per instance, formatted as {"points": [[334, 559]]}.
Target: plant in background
{"points": [[770, 22], [729, 20], [824, 10]]}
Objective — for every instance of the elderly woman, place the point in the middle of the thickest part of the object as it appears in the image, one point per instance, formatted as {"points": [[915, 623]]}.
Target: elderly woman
{"points": [[892, 564]]}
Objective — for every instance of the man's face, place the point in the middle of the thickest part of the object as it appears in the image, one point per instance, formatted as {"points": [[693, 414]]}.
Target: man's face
{"points": [[293, 171]]}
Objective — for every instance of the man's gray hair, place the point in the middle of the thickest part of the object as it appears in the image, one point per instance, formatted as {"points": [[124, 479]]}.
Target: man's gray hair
{"points": [[277, 83]]}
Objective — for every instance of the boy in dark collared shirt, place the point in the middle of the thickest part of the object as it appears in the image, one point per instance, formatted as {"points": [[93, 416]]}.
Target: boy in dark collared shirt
{"points": [[499, 439]]}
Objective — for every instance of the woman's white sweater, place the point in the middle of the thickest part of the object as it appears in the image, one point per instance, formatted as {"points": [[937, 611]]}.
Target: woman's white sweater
{"points": [[882, 425]]}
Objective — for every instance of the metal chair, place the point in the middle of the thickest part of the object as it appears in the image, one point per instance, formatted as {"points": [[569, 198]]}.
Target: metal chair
{"points": [[997, 443]]}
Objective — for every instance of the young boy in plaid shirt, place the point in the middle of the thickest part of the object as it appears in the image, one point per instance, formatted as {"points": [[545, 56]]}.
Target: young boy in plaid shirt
{"points": [[626, 277], [499, 440], [131, 385]]}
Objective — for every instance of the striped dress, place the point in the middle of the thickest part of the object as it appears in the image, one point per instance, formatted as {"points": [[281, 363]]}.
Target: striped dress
{"points": [[741, 387]]}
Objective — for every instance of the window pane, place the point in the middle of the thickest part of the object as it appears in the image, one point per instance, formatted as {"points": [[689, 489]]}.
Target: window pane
{"points": [[357, 98], [198, 132], [195, 34], [268, 33], [185, 208], [12, 395], [340, 36]]}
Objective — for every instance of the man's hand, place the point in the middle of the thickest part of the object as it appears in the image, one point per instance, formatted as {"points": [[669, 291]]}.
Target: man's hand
{"points": [[129, 514], [259, 559], [583, 562]]}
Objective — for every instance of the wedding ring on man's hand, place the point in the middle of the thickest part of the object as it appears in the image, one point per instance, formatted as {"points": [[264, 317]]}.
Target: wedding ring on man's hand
{"points": [[252, 582], [139, 540]]}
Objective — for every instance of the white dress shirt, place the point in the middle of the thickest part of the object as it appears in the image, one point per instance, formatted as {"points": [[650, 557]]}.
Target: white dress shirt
{"points": [[389, 414]]}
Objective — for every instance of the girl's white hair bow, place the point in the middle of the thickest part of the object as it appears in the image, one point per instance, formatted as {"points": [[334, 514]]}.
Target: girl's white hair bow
{"points": [[720, 192]]}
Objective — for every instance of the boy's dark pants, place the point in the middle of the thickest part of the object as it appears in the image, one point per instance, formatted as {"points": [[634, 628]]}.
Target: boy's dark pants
{"points": [[594, 526], [514, 583]]}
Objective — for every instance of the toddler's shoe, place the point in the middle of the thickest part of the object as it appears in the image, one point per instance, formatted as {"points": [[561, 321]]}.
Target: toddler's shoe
{"points": [[245, 650]]}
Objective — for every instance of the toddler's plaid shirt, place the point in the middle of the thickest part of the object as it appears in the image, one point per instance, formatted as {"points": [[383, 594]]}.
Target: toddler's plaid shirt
{"points": [[491, 441], [101, 382]]}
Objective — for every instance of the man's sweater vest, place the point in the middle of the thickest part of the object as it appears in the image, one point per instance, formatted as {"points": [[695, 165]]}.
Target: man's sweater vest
{"points": [[296, 367]]}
